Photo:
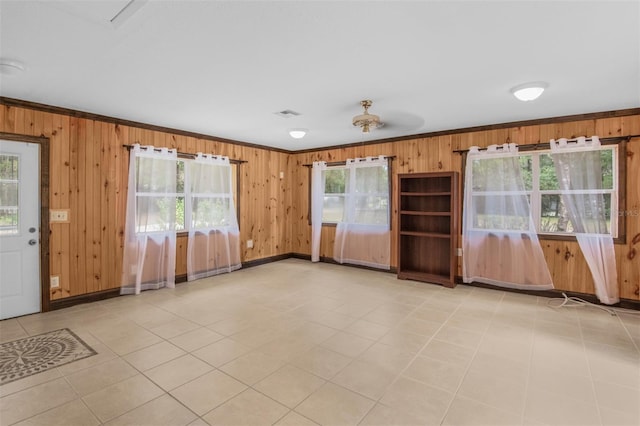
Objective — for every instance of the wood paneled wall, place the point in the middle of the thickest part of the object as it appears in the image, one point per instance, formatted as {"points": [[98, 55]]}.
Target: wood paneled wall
{"points": [[564, 258], [88, 176]]}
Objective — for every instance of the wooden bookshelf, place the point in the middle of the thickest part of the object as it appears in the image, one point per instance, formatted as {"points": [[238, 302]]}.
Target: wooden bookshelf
{"points": [[428, 227]]}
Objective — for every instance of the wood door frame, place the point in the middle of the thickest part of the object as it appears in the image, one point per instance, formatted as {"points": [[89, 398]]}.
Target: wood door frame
{"points": [[45, 296]]}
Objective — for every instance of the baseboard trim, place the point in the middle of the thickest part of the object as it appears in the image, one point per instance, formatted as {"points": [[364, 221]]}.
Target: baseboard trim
{"points": [[301, 256], [67, 302], [332, 261], [265, 260], [554, 294]]}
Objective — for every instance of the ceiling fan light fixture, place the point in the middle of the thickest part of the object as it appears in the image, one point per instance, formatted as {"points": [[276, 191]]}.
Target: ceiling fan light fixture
{"points": [[297, 133], [367, 121], [529, 91]]}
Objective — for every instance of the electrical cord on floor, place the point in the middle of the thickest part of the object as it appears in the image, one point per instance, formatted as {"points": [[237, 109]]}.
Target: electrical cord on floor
{"points": [[575, 302]]}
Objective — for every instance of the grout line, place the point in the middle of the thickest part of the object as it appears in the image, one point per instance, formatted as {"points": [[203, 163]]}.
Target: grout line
{"points": [[475, 353], [624, 326], [593, 385], [399, 374], [529, 363]]}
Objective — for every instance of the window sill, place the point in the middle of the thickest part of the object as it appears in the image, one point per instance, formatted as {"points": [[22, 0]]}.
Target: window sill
{"points": [[616, 240]]}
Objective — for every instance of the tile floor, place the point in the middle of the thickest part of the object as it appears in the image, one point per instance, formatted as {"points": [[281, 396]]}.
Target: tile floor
{"points": [[296, 343]]}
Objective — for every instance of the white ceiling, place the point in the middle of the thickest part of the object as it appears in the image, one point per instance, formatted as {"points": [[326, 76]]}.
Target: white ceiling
{"points": [[223, 68]]}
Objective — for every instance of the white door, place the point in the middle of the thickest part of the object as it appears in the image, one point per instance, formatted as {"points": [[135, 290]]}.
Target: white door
{"points": [[19, 229]]}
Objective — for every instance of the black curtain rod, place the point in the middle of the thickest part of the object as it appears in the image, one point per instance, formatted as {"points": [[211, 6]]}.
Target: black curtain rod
{"points": [[186, 154], [342, 163], [535, 146]]}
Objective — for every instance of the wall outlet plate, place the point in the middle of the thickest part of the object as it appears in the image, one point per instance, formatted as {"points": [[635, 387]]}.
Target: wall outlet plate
{"points": [[249, 243], [459, 252], [60, 216], [55, 281]]}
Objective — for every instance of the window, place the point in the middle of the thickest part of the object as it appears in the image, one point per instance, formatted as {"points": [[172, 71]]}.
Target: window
{"points": [[542, 189], [335, 189], [365, 189], [150, 198], [9, 189], [156, 193], [210, 193]]}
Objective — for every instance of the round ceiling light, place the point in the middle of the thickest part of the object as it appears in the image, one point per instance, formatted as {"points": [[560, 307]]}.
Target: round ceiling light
{"points": [[529, 91], [297, 133], [11, 67]]}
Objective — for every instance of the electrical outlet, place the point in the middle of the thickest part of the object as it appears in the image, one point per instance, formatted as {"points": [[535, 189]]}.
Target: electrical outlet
{"points": [[281, 175], [249, 243], [55, 281], [459, 254], [59, 215]]}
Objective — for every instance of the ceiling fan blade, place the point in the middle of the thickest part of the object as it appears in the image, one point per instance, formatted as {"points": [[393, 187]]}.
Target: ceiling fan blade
{"points": [[401, 120], [127, 11]]}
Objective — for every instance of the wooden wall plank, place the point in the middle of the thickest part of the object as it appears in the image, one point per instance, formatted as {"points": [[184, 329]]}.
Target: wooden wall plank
{"points": [[630, 267], [19, 126], [60, 135], [90, 257], [106, 243], [4, 118], [121, 183]]}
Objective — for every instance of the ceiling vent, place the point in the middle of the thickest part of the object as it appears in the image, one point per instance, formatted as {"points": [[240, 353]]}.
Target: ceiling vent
{"points": [[287, 113]]}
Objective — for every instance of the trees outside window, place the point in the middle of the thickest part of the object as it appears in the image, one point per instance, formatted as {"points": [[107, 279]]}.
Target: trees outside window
{"points": [[542, 188]]}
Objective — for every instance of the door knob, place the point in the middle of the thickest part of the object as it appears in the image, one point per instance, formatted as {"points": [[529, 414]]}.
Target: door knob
{"points": [[32, 242]]}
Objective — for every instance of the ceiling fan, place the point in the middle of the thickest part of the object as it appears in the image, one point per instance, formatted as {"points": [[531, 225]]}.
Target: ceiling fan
{"points": [[396, 120], [367, 121]]}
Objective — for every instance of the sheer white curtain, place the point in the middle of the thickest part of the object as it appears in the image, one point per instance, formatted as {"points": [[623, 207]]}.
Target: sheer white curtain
{"points": [[500, 244], [150, 228], [317, 203], [579, 170], [363, 236], [214, 236]]}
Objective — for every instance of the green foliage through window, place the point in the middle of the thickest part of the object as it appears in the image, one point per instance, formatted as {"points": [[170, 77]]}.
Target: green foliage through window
{"points": [[368, 193], [540, 186], [207, 211], [9, 192]]}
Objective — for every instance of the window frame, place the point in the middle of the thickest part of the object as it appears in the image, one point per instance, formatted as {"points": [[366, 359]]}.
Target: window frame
{"points": [[619, 188], [186, 226], [342, 165], [342, 194]]}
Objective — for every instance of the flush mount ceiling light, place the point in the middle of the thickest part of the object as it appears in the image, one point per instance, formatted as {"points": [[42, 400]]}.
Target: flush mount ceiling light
{"points": [[529, 91], [297, 133], [11, 67], [366, 121]]}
